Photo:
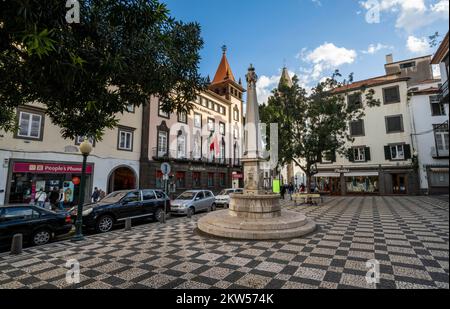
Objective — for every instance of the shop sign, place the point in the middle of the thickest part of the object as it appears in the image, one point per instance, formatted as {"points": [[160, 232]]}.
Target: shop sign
{"points": [[238, 176], [49, 168], [342, 171]]}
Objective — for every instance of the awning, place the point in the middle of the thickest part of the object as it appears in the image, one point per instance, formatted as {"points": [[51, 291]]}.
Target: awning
{"points": [[361, 174], [332, 175], [439, 170]]}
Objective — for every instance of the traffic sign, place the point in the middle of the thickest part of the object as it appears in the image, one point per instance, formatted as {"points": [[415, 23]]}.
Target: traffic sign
{"points": [[165, 168]]}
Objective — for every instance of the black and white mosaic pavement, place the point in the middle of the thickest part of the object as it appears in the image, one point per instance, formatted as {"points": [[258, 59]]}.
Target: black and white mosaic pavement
{"points": [[408, 236]]}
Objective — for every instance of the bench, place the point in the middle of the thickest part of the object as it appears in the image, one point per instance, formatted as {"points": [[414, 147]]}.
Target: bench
{"points": [[303, 198]]}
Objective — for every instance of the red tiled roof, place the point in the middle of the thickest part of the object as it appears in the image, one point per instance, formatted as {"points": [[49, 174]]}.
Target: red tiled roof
{"points": [[380, 80], [223, 71]]}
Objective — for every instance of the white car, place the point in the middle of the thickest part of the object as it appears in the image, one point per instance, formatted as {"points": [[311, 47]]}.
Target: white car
{"points": [[223, 199]]}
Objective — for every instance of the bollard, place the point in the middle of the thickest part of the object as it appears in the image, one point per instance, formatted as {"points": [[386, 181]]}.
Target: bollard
{"points": [[16, 245], [189, 214], [128, 224], [163, 218]]}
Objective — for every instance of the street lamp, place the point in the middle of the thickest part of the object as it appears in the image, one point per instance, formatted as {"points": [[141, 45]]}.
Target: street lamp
{"points": [[85, 149]]}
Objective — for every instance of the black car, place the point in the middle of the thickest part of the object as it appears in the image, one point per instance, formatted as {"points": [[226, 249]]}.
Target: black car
{"points": [[37, 225], [118, 206]]}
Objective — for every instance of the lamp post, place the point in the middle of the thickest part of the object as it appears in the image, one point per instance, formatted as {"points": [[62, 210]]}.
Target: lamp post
{"points": [[85, 149]]}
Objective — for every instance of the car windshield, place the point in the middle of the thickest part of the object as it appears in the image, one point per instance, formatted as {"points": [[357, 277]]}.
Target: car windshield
{"points": [[226, 192], [114, 197], [186, 196]]}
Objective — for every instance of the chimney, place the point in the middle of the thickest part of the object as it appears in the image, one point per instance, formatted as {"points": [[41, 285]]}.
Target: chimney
{"points": [[389, 59]]}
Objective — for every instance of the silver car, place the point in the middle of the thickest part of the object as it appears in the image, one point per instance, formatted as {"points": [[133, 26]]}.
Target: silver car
{"points": [[193, 201], [223, 199]]}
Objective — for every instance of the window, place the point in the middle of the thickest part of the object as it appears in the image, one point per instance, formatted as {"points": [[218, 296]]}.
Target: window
{"points": [[216, 107], [391, 95], [208, 194], [222, 180], [210, 179], [222, 128], [162, 113], [441, 137], [30, 125], [437, 108], [197, 153], [130, 108], [211, 124], [162, 143], [200, 196], [236, 114], [397, 152], [210, 104], [222, 110], [236, 133], [196, 176], [125, 140], [357, 128], [181, 180], [80, 139], [204, 103], [394, 124], [359, 154], [160, 195], [19, 213], [328, 157], [181, 146], [198, 120], [407, 65], [148, 195], [133, 197], [222, 152], [354, 100], [182, 117]]}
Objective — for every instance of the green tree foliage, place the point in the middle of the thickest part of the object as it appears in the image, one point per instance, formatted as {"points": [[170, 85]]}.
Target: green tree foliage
{"points": [[121, 53], [315, 126]]}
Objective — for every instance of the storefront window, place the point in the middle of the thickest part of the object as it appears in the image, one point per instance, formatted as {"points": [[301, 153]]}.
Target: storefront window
{"points": [[222, 179], [196, 179], [210, 179], [159, 180], [181, 179], [362, 184]]}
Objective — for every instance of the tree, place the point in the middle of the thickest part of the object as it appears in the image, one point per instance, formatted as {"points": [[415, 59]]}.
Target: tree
{"points": [[314, 126], [121, 53]]}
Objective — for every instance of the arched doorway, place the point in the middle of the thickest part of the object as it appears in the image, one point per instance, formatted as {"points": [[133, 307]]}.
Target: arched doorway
{"points": [[122, 178]]}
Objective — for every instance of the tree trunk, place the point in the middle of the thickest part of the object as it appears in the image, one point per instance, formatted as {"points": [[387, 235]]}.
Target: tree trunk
{"points": [[308, 187]]}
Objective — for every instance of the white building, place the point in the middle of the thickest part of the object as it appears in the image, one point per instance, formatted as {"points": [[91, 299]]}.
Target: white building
{"points": [[429, 120], [37, 156]]}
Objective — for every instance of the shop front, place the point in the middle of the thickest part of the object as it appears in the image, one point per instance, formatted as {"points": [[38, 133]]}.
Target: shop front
{"points": [[362, 182], [25, 178], [328, 183]]}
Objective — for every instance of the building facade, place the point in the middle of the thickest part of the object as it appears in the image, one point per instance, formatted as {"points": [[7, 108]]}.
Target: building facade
{"points": [[441, 58], [203, 147], [429, 120], [37, 156]]}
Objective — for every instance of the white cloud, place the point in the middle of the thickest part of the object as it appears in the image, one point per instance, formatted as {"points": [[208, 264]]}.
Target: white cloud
{"points": [[411, 14], [418, 45], [374, 48], [317, 2], [329, 57]]}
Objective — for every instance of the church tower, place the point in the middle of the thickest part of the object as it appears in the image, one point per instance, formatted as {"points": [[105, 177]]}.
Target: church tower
{"points": [[224, 83]]}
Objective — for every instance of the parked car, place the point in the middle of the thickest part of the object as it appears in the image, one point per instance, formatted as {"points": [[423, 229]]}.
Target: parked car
{"points": [[120, 205], [193, 201], [223, 199], [37, 225]]}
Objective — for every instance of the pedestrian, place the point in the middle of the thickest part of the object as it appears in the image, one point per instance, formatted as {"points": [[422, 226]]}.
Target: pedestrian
{"points": [[61, 200], [95, 195], [283, 191], [41, 197], [53, 198], [291, 190], [302, 188]]}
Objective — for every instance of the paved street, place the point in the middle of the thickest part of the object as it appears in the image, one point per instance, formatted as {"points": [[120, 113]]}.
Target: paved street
{"points": [[409, 236]]}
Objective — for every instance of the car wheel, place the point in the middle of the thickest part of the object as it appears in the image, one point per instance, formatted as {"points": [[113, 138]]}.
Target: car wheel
{"points": [[41, 237], [104, 224], [191, 211], [213, 207], [159, 215]]}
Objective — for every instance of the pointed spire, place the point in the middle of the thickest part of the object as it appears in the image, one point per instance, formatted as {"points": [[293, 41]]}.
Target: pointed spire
{"points": [[240, 81], [224, 71], [285, 78]]}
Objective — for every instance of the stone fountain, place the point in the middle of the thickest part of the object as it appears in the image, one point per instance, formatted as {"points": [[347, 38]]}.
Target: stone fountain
{"points": [[255, 214]]}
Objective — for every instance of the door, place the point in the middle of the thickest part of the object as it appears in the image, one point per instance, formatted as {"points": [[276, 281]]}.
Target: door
{"points": [[399, 184], [149, 202], [209, 199], [131, 206], [199, 201], [335, 184]]}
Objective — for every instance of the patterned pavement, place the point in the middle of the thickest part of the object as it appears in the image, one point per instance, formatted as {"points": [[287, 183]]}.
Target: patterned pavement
{"points": [[408, 236]]}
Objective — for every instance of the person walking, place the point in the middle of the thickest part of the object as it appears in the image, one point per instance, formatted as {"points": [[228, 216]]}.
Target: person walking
{"points": [[283, 191], [61, 200], [53, 198], [95, 195], [291, 190], [41, 197], [302, 188]]}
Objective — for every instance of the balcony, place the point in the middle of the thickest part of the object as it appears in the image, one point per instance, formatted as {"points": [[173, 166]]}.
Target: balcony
{"points": [[439, 154], [173, 155], [444, 92]]}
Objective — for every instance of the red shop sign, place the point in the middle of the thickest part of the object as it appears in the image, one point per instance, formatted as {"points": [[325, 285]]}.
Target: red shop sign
{"points": [[49, 168], [238, 176]]}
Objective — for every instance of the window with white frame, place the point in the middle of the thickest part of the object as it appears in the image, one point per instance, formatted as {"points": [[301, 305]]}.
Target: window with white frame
{"points": [[211, 124], [161, 112], [182, 117], [125, 140], [359, 154], [197, 120], [222, 128], [181, 146], [441, 136], [30, 125], [197, 146], [397, 152], [162, 143]]}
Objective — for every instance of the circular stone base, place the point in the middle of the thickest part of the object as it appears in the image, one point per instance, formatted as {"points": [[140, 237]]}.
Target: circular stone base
{"points": [[290, 224]]}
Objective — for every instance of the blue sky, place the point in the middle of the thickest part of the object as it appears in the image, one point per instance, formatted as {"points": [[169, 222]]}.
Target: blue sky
{"points": [[312, 37]]}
